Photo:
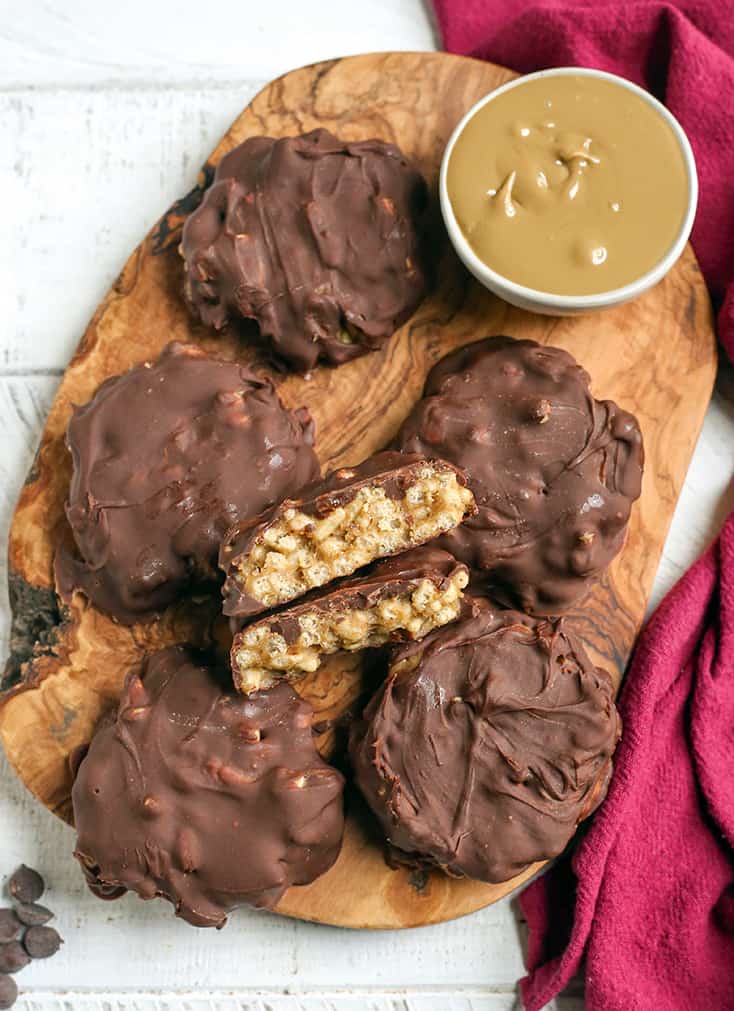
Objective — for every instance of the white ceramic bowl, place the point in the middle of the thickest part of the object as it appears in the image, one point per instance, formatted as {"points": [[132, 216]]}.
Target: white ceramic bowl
{"points": [[544, 301]]}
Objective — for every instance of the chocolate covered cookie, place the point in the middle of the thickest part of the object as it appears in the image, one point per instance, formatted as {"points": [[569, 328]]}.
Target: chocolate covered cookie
{"points": [[165, 458], [314, 238], [554, 472], [490, 741], [388, 504], [398, 598], [203, 797]]}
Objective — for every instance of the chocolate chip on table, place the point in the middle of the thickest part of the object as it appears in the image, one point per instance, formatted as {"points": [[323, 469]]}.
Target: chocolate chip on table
{"points": [[26, 885], [30, 914], [8, 992], [13, 956], [42, 942], [10, 926]]}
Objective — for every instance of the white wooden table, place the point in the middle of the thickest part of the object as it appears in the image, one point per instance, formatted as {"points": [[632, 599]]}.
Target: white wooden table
{"points": [[106, 112]]}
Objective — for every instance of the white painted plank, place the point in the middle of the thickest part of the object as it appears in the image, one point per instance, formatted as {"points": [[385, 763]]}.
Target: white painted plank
{"points": [[85, 175], [85, 41], [238, 1001], [76, 1000]]}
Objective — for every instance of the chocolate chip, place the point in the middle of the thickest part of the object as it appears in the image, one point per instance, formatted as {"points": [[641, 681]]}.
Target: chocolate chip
{"points": [[41, 942], [8, 992], [13, 956], [32, 914], [10, 926], [26, 885]]}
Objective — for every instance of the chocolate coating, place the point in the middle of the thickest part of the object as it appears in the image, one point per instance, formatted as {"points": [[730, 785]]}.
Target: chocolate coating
{"points": [[554, 471], [391, 471], [11, 926], [312, 237], [490, 741], [166, 457], [203, 797]]}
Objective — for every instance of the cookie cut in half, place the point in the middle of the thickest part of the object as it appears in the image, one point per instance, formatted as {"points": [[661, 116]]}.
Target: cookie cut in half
{"points": [[390, 503], [397, 599]]}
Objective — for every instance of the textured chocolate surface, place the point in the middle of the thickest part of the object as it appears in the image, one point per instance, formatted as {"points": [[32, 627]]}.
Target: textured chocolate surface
{"points": [[554, 471], [491, 739], [204, 797], [166, 457], [391, 471], [312, 237]]}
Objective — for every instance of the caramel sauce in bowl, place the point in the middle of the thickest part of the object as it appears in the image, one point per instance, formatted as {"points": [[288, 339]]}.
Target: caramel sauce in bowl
{"points": [[568, 190]]}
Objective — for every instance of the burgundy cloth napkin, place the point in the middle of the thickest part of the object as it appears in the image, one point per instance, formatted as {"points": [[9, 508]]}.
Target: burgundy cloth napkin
{"points": [[648, 897]]}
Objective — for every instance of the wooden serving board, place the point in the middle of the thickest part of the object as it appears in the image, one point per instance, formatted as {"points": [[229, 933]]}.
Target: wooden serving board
{"points": [[656, 357]]}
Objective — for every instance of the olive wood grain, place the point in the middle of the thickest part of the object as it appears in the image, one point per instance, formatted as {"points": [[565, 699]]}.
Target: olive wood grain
{"points": [[655, 356]]}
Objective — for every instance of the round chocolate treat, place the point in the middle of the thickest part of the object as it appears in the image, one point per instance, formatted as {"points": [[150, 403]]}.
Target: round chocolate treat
{"points": [[314, 238], [206, 798], [166, 458], [490, 741], [554, 472]]}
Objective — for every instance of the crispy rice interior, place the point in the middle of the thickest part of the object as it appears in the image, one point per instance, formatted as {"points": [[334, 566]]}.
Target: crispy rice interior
{"points": [[301, 552], [261, 657]]}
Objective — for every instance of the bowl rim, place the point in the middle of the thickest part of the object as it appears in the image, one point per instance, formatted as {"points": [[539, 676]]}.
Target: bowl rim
{"points": [[596, 300]]}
